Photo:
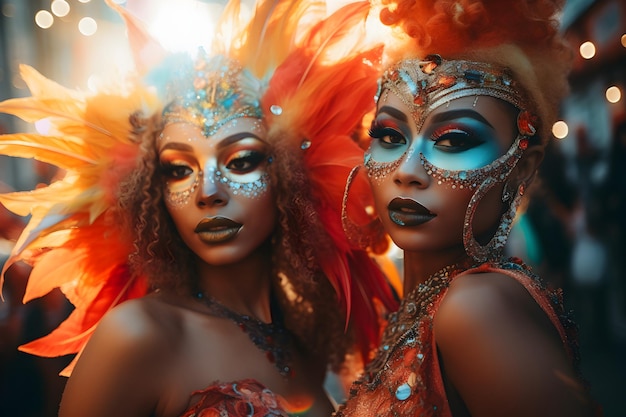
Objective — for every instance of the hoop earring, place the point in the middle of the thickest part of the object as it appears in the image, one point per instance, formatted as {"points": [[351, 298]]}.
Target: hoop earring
{"points": [[493, 250], [371, 235]]}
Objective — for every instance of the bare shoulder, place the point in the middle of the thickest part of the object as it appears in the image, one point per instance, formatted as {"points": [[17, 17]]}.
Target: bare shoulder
{"points": [[129, 348], [139, 322], [501, 352], [493, 309], [485, 297]]}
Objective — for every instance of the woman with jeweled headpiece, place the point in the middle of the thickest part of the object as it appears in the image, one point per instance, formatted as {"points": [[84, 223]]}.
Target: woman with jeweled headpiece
{"points": [[198, 230], [464, 111]]}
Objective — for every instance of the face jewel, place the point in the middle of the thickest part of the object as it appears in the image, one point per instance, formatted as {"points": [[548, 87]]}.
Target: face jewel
{"points": [[403, 392], [306, 144], [276, 109], [526, 123]]}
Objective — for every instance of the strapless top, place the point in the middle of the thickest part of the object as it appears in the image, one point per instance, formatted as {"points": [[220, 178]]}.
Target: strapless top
{"points": [[237, 399]]}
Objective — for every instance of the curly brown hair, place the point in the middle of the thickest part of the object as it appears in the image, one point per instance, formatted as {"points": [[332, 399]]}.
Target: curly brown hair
{"points": [[307, 299]]}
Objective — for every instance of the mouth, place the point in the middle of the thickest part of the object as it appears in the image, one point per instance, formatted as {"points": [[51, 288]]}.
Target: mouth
{"points": [[217, 229], [407, 212]]}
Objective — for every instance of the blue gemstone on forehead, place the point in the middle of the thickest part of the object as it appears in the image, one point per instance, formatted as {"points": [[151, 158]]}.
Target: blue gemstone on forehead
{"points": [[413, 87], [228, 103], [473, 75]]}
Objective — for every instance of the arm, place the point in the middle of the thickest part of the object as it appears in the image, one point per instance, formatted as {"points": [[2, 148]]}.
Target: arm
{"points": [[119, 372], [502, 354]]}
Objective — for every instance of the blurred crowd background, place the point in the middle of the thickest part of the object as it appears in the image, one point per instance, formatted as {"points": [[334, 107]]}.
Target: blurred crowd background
{"points": [[573, 232]]}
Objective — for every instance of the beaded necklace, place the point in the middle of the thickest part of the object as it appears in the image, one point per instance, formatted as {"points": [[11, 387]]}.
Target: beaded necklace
{"points": [[401, 325], [272, 338]]}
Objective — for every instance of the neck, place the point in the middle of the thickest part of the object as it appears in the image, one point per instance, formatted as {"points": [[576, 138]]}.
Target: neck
{"points": [[418, 266], [244, 286]]}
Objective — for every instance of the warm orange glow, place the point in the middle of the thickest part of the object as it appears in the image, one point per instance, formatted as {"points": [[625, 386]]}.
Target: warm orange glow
{"points": [[298, 404]]}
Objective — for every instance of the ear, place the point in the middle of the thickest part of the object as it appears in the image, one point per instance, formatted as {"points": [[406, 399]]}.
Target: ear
{"points": [[527, 166]]}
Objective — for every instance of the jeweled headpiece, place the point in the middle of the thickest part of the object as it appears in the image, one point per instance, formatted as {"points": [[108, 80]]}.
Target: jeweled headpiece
{"points": [[424, 85], [221, 90]]}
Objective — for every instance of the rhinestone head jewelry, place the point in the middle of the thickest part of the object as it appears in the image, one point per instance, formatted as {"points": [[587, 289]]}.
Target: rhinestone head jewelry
{"points": [[424, 85], [212, 91]]}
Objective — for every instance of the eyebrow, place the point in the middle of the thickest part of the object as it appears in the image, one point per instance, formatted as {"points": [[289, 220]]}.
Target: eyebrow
{"points": [[393, 112], [179, 146], [238, 136], [458, 114]]}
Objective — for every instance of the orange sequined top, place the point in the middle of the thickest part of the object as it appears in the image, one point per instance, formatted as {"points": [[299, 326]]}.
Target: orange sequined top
{"points": [[405, 378], [245, 398]]}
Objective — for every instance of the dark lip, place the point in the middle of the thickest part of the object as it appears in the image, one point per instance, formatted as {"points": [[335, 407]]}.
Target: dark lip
{"points": [[214, 224], [216, 230], [408, 212]]}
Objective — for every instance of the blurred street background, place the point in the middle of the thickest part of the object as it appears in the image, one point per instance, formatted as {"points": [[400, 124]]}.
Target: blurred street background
{"points": [[573, 232]]}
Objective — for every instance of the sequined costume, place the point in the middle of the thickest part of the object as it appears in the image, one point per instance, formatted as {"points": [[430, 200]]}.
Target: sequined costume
{"points": [[405, 378], [246, 398]]}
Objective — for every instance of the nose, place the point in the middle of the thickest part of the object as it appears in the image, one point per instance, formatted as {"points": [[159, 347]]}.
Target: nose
{"points": [[212, 192], [411, 171]]}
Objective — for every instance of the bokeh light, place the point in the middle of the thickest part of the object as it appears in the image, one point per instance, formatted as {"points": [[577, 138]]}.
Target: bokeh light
{"points": [[560, 129], [87, 26], [8, 10], [613, 94], [60, 8], [587, 50], [184, 25], [44, 19]]}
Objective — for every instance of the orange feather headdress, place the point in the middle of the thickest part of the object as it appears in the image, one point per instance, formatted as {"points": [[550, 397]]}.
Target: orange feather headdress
{"points": [[312, 99], [70, 239]]}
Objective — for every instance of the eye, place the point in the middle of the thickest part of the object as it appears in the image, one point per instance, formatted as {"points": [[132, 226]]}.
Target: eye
{"points": [[387, 136], [245, 161], [176, 171], [455, 140]]}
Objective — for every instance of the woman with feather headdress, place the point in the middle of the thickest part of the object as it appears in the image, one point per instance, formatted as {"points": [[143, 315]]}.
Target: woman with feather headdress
{"points": [[464, 111], [198, 231]]}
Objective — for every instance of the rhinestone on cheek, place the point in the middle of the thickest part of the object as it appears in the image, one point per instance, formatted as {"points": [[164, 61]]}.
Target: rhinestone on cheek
{"points": [[180, 199], [378, 171], [252, 189]]}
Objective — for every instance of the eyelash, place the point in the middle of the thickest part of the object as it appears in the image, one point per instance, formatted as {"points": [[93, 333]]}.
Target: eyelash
{"points": [[454, 135], [251, 158], [380, 132], [171, 170]]}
